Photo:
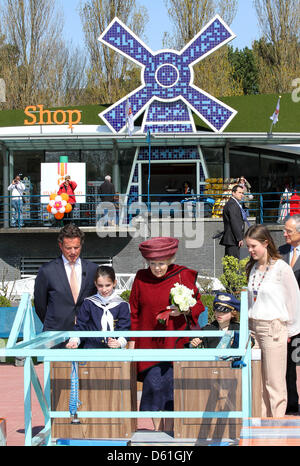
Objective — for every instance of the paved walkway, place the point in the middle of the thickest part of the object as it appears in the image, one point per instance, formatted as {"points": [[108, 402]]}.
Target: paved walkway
{"points": [[12, 405]]}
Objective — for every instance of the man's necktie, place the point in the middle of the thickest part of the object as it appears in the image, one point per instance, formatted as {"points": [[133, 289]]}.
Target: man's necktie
{"points": [[294, 258], [74, 282]]}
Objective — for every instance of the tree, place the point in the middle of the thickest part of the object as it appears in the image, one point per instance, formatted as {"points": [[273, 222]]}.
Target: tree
{"points": [[110, 76], [214, 73], [244, 69], [277, 53], [41, 58]]}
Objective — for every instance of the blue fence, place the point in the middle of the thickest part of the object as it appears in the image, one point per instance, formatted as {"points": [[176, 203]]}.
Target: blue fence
{"points": [[31, 211], [34, 345]]}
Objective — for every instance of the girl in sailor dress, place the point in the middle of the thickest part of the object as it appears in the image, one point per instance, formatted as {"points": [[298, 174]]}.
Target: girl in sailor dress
{"points": [[104, 311]]}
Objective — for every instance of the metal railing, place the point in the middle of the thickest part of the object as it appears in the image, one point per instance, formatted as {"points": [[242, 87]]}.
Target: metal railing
{"points": [[32, 210], [41, 346]]}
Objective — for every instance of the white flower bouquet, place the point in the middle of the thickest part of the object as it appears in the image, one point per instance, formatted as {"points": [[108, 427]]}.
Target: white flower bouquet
{"points": [[182, 297]]}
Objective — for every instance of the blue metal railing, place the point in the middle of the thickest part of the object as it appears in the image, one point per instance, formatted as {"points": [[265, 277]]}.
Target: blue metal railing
{"points": [[42, 346], [32, 212]]}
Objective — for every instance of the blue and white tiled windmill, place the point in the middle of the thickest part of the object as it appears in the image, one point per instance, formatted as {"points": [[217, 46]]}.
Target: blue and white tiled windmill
{"points": [[167, 96]]}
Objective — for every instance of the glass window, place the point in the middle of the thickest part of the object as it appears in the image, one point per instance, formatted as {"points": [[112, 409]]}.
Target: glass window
{"points": [[53, 157], [277, 172], [213, 157], [245, 164], [98, 164], [29, 164], [126, 158]]}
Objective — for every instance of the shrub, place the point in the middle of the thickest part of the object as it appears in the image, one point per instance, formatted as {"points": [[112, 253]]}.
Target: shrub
{"points": [[207, 301], [4, 301], [125, 295], [234, 276]]}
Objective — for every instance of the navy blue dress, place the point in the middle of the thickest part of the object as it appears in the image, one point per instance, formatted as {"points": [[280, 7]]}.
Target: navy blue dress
{"points": [[91, 314]]}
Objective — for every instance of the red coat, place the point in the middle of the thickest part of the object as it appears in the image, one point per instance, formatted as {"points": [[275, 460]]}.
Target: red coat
{"points": [[151, 296], [295, 204], [69, 190]]}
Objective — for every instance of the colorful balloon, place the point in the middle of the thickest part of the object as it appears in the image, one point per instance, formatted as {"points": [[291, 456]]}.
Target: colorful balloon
{"points": [[65, 197], [68, 208]]}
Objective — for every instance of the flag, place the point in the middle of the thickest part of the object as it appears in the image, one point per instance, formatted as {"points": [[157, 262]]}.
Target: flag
{"points": [[129, 118], [275, 115]]}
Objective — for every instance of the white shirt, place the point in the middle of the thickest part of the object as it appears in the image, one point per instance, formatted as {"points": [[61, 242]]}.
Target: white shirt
{"points": [[16, 192], [78, 269], [278, 296]]}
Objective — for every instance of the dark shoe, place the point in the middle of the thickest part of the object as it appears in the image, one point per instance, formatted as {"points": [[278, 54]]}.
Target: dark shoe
{"points": [[292, 409]]}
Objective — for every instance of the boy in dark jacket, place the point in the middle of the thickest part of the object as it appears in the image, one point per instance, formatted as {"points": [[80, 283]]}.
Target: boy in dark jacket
{"points": [[226, 308]]}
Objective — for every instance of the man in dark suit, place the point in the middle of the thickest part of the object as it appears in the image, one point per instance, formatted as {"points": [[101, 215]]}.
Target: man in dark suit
{"points": [[107, 192], [290, 252], [234, 226], [62, 284]]}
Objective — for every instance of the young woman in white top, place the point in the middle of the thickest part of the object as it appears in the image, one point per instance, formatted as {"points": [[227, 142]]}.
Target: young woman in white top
{"points": [[274, 314]]}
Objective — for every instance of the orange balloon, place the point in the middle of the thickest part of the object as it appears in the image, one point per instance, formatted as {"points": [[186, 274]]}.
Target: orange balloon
{"points": [[53, 196], [64, 196], [68, 208], [58, 216], [49, 208]]}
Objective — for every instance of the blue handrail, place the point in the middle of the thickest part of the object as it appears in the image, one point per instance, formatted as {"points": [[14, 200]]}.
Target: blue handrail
{"points": [[265, 207], [42, 347]]}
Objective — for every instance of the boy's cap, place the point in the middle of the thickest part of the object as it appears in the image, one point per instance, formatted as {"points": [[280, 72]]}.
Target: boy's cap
{"points": [[226, 302]]}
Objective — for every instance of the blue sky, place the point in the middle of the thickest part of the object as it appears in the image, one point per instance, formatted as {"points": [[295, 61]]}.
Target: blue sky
{"points": [[244, 25]]}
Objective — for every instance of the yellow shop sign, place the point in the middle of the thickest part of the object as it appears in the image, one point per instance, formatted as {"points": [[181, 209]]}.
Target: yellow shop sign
{"points": [[39, 116]]}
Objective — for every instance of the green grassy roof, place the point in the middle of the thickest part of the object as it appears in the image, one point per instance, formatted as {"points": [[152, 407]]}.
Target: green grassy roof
{"points": [[254, 113]]}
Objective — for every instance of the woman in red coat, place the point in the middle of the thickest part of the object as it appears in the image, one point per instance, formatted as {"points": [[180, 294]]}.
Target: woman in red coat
{"points": [[150, 296]]}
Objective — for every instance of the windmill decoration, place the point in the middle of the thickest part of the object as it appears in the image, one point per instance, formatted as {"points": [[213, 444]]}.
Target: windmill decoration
{"points": [[167, 94]]}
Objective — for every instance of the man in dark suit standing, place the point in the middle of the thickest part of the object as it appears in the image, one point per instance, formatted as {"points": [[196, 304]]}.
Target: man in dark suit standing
{"points": [[107, 192], [234, 226], [290, 252], [62, 284]]}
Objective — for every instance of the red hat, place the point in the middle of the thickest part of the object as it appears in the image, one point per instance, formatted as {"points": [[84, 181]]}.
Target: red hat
{"points": [[159, 248]]}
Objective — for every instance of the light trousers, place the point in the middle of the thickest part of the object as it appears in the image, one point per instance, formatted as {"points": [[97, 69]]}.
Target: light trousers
{"points": [[271, 337]]}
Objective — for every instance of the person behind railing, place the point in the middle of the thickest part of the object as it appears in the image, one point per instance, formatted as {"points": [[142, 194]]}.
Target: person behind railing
{"points": [[17, 189], [274, 315], [103, 311], [247, 195], [107, 192], [149, 298], [295, 204], [188, 191], [234, 217], [69, 187], [284, 204]]}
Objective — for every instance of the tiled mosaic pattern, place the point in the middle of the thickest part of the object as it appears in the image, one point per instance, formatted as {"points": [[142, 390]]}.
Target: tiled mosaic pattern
{"points": [[177, 128], [167, 75], [167, 111], [170, 153]]}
